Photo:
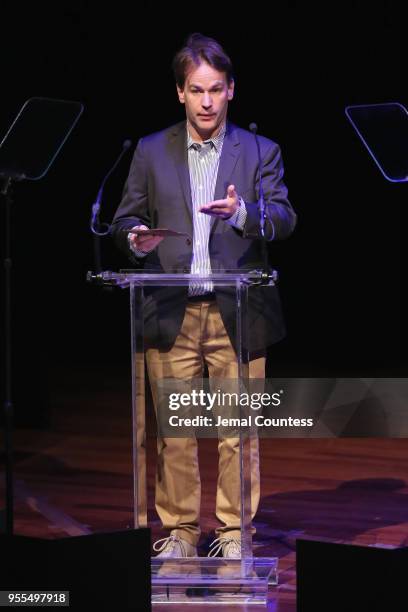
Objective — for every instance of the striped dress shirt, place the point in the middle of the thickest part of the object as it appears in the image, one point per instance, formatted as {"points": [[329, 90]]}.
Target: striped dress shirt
{"points": [[203, 162]]}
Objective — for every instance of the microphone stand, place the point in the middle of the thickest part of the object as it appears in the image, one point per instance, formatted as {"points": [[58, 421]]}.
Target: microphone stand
{"points": [[8, 408], [103, 229], [265, 276]]}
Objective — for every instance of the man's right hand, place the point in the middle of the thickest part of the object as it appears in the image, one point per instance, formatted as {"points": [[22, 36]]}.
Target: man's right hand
{"points": [[144, 243]]}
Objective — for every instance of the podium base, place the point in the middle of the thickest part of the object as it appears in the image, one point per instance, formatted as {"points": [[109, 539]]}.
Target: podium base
{"points": [[216, 580]]}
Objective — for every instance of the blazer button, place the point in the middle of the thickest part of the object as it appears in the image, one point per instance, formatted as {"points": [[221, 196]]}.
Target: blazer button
{"points": [[186, 270], [188, 241]]}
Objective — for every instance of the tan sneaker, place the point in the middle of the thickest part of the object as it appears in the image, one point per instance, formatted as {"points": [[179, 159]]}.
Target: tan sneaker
{"points": [[229, 547], [173, 547]]}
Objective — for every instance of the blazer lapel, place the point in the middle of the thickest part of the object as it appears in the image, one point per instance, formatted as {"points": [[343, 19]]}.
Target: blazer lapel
{"points": [[229, 156], [179, 144]]}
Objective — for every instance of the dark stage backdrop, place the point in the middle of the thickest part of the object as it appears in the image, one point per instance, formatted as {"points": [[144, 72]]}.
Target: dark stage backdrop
{"points": [[343, 272]]}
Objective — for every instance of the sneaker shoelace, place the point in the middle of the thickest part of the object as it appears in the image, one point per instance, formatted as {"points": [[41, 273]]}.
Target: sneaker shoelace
{"points": [[171, 542], [220, 543]]}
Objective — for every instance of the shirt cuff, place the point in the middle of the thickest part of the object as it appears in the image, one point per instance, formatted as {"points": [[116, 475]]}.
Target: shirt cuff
{"points": [[238, 219], [132, 248]]}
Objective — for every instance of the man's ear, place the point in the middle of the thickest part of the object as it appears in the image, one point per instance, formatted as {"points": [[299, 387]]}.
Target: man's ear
{"points": [[231, 87], [180, 93]]}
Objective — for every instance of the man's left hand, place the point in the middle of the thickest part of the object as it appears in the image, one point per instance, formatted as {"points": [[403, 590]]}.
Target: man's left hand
{"points": [[224, 209]]}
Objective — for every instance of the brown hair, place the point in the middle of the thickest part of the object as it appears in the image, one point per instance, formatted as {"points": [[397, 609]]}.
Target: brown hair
{"points": [[199, 48]]}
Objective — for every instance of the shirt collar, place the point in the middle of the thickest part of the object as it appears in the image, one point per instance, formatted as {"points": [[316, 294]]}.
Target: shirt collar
{"points": [[215, 140]]}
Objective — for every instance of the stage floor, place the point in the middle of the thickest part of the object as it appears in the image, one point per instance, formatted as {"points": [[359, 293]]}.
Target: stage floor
{"points": [[75, 477]]}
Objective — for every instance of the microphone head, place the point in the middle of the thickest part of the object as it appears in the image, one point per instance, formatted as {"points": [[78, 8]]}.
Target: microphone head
{"points": [[253, 128], [127, 144]]}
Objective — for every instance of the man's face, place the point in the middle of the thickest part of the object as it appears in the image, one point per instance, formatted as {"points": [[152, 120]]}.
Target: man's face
{"points": [[206, 95]]}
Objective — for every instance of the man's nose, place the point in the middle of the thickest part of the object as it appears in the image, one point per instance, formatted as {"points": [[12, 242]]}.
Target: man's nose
{"points": [[206, 100]]}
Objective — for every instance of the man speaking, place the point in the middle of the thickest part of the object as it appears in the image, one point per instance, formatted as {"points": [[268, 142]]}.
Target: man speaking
{"points": [[201, 177]]}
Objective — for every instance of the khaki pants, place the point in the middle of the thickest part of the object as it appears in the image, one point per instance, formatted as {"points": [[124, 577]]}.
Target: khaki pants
{"points": [[202, 340]]}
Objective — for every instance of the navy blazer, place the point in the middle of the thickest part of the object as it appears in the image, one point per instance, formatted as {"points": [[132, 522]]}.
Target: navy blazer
{"points": [[157, 194]]}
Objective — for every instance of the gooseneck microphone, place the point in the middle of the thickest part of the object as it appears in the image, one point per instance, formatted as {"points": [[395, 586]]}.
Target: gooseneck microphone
{"points": [[261, 206], [96, 227], [103, 229], [261, 201]]}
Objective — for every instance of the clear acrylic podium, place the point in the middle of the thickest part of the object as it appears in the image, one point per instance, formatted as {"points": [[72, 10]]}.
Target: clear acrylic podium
{"points": [[195, 579]]}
